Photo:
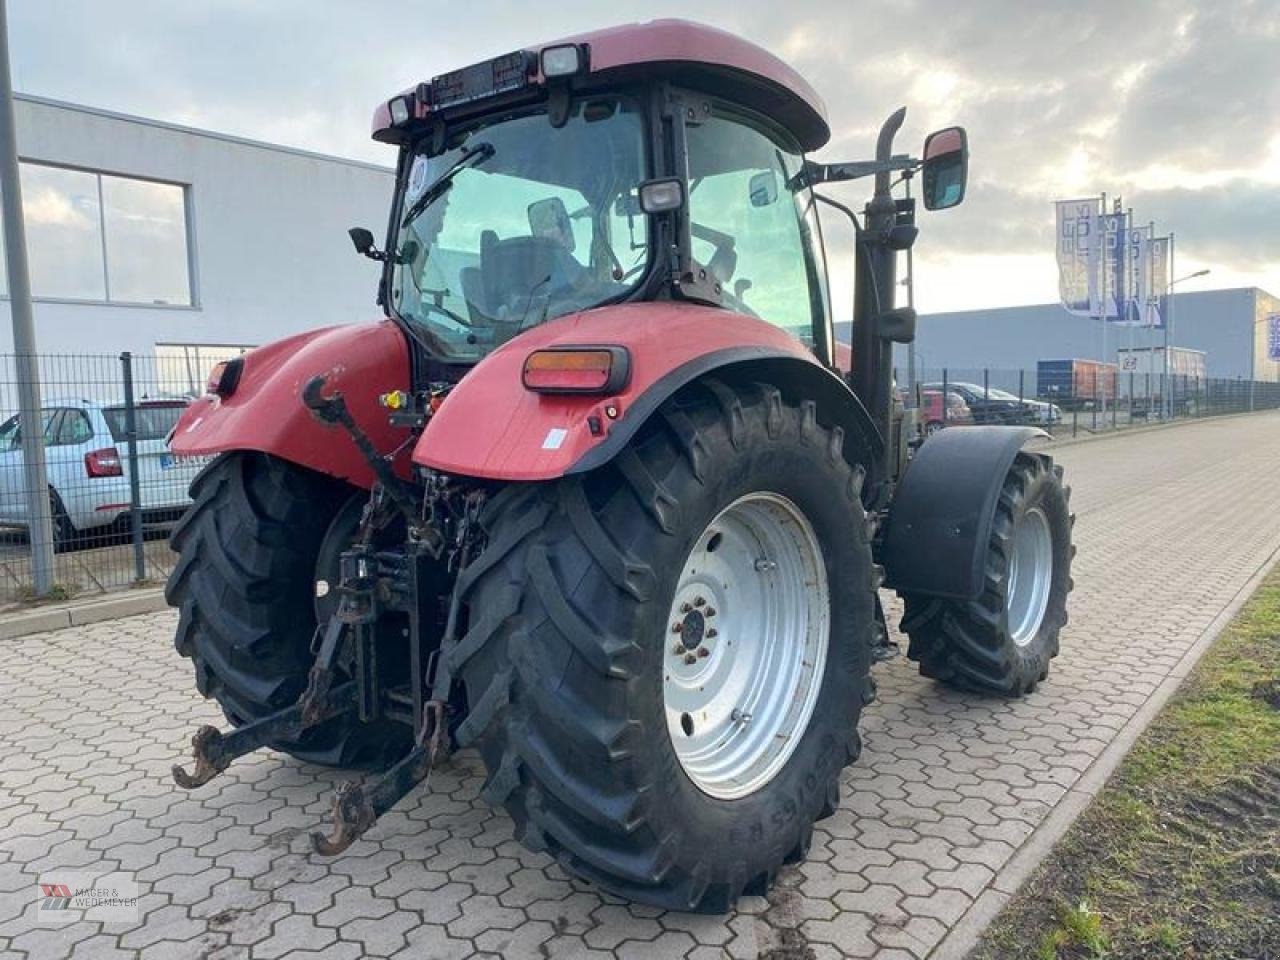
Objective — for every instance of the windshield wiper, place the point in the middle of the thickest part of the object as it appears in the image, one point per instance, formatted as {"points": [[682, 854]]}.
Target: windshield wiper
{"points": [[471, 156]]}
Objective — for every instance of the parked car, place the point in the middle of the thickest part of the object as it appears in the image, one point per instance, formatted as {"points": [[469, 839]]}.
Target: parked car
{"points": [[991, 405], [88, 467], [931, 419]]}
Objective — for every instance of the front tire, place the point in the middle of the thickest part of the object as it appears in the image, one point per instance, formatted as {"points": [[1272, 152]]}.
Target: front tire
{"points": [[1003, 641], [570, 650]]}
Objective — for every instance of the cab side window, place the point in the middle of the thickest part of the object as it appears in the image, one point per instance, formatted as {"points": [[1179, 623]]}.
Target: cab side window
{"points": [[746, 223]]}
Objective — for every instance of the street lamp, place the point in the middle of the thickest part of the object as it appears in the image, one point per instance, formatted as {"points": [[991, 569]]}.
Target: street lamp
{"points": [[1190, 276], [1168, 335]]}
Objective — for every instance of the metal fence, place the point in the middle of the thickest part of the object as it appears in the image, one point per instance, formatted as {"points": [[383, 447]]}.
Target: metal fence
{"points": [[114, 488], [1111, 400]]}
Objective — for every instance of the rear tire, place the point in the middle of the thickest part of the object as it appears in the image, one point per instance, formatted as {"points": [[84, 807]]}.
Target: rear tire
{"points": [[993, 644], [569, 645], [244, 584]]}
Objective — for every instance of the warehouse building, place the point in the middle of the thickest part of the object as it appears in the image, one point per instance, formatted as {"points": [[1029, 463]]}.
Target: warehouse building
{"points": [[184, 244], [1230, 326]]}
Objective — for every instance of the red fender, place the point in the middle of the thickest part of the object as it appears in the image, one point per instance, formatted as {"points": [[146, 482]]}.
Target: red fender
{"points": [[491, 426], [265, 411]]}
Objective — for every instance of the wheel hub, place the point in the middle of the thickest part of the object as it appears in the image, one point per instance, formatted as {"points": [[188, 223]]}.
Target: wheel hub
{"points": [[692, 630], [749, 625]]}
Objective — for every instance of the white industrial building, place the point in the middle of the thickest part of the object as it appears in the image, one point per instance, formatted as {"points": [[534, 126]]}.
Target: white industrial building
{"points": [[184, 244], [1230, 326]]}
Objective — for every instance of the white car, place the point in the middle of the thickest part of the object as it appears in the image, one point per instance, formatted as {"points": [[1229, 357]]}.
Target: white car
{"points": [[88, 467]]}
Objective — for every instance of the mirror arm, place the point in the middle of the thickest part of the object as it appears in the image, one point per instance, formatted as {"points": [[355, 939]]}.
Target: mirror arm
{"points": [[813, 173]]}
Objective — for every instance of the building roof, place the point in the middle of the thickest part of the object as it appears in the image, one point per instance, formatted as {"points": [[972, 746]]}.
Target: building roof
{"points": [[197, 132]]}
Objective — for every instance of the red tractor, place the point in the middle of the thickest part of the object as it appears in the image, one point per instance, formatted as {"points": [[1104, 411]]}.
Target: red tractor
{"points": [[597, 497]]}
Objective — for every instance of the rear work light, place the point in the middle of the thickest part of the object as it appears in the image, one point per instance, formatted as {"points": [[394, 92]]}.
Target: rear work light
{"points": [[103, 463], [577, 370], [564, 61], [225, 377]]}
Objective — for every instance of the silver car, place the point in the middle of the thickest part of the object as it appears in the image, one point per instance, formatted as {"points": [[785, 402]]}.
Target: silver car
{"points": [[88, 468]]}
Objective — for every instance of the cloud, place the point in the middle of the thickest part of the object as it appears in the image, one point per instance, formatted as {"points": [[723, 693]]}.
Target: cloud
{"points": [[1060, 99]]}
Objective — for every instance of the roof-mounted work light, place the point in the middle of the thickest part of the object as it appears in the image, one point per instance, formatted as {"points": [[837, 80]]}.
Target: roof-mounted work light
{"points": [[401, 109], [564, 61]]}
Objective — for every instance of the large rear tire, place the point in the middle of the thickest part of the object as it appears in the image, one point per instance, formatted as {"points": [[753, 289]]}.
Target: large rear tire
{"points": [[251, 549], [1003, 641], [571, 650]]}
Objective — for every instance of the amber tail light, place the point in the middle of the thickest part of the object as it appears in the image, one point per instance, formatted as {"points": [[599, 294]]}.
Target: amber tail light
{"points": [[577, 370]]}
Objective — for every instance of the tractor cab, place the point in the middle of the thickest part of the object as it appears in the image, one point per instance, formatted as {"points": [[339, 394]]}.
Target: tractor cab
{"points": [[607, 168]]}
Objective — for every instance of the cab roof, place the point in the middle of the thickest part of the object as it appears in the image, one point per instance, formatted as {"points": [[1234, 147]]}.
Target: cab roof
{"points": [[696, 55]]}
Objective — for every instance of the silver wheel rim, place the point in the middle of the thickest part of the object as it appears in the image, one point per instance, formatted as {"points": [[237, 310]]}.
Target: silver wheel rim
{"points": [[1030, 576], [746, 645]]}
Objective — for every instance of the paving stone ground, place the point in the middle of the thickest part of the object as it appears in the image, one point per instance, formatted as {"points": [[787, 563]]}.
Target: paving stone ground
{"points": [[1171, 524]]}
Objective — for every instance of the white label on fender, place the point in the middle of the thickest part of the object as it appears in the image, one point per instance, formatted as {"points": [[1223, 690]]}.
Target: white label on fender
{"points": [[555, 437]]}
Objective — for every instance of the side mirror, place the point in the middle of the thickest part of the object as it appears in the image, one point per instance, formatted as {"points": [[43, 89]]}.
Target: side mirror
{"points": [[362, 240], [549, 219], [945, 169], [762, 188]]}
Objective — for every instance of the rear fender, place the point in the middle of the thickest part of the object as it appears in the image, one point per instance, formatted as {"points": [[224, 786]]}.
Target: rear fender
{"points": [[265, 412], [940, 520], [492, 427]]}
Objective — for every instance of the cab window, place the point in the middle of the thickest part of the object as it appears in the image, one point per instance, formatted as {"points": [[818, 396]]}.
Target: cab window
{"points": [[748, 223]]}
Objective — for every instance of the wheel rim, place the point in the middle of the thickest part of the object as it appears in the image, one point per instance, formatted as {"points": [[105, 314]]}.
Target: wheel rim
{"points": [[1030, 576], [746, 645]]}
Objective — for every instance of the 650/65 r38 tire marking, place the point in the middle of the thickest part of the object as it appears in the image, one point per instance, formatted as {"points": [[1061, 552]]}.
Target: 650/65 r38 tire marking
{"points": [[572, 636]]}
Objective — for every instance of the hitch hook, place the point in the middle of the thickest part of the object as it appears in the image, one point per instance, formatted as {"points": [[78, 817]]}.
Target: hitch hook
{"points": [[356, 809], [210, 759]]}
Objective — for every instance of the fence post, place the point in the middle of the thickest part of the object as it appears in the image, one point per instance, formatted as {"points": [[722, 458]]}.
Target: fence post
{"points": [[1131, 384], [135, 482], [1097, 393], [1075, 418], [1115, 397]]}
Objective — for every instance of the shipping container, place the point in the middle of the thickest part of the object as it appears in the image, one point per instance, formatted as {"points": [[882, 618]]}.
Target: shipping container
{"points": [[1075, 384], [1144, 375]]}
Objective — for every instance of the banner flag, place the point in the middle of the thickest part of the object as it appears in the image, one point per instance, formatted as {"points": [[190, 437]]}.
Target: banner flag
{"points": [[1137, 276], [1158, 270], [1273, 336], [1078, 255], [1110, 302]]}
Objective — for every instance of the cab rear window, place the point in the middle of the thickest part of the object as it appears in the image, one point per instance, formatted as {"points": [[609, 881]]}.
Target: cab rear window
{"points": [[154, 420]]}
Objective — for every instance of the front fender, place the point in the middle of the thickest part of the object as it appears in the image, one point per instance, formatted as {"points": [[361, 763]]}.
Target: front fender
{"points": [[265, 411], [940, 520], [492, 427]]}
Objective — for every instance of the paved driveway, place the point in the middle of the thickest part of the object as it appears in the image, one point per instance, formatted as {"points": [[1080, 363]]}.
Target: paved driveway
{"points": [[1172, 524]]}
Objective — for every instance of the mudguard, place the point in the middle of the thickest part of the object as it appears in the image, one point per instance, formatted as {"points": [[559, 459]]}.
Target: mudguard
{"points": [[940, 519], [265, 411], [492, 427]]}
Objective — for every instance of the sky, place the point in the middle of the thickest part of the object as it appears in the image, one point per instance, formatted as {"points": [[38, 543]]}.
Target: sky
{"points": [[1173, 105]]}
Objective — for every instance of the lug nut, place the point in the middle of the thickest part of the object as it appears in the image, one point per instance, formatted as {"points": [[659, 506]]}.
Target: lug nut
{"points": [[713, 632], [677, 627], [711, 611], [685, 608], [703, 652], [678, 649], [699, 601], [690, 658]]}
